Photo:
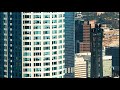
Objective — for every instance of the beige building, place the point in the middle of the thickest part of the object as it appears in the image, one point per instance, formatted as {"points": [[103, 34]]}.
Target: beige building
{"points": [[80, 67], [107, 66]]}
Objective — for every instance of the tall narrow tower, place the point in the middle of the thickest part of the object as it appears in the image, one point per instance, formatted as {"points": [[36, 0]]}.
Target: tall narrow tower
{"points": [[96, 52]]}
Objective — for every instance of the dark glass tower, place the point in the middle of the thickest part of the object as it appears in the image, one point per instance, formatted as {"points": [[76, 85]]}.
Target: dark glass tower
{"points": [[69, 44], [10, 45], [96, 36]]}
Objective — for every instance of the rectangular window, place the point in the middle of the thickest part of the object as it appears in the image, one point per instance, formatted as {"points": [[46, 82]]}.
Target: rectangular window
{"points": [[54, 16], [46, 37], [27, 70], [37, 21], [54, 73], [46, 27], [46, 74], [54, 58], [26, 59], [27, 48], [27, 22], [27, 54], [54, 26], [46, 43], [54, 37], [26, 43], [46, 16], [26, 27], [54, 21], [46, 69], [37, 59], [46, 53], [46, 58], [37, 27], [37, 64], [37, 16], [46, 21], [47, 64], [54, 52], [46, 48], [37, 54], [54, 63], [54, 47], [54, 31], [26, 64], [54, 68], [37, 43], [37, 70], [37, 37], [54, 42], [37, 32], [37, 48], [46, 32]]}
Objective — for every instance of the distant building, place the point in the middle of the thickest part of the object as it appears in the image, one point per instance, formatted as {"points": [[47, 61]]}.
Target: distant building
{"points": [[80, 67], [96, 36], [92, 23], [82, 36], [114, 52]]}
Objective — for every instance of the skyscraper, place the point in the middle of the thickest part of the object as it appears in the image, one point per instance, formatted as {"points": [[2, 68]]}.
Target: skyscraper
{"points": [[69, 44], [33, 44], [96, 36]]}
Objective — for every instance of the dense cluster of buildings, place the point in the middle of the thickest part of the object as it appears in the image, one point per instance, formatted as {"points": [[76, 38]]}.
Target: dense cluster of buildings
{"points": [[54, 45]]}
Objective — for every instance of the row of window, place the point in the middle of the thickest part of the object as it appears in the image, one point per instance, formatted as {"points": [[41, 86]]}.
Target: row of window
{"points": [[44, 48], [45, 58], [45, 53], [44, 32], [44, 16], [44, 21], [45, 64], [45, 43], [44, 26], [39, 69], [44, 37], [45, 74]]}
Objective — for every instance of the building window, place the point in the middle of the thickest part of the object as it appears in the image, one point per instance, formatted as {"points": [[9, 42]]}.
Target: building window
{"points": [[46, 37], [26, 59], [54, 37], [26, 16], [27, 70], [26, 43], [54, 52], [54, 16], [54, 58], [27, 22], [27, 48], [37, 43], [26, 38], [37, 21], [46, 53], [47, 64], [46, 74], [26, 64], [46, 32], [54, 47], [54, 31], [27, 54], [37, 59], [37, 48], [54, 26], [37, 37], [46, 27], [54, 21], [54, 73], [37, 32], [37, 16], [46, 58], [46, 43], [37, 64], [37, 54], [37, 69], [54, 63], [46, 21], [37, 27], [54, 68], [27, 75], [46, 69], [54, 42], [46, 16], [46, 48]]}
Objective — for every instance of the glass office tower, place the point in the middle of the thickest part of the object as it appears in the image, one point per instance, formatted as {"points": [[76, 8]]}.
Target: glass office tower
{"points": [[33, 44]]}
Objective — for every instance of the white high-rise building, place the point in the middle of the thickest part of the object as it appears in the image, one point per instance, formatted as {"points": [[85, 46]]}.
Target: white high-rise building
{"points": [[43, 44]]}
